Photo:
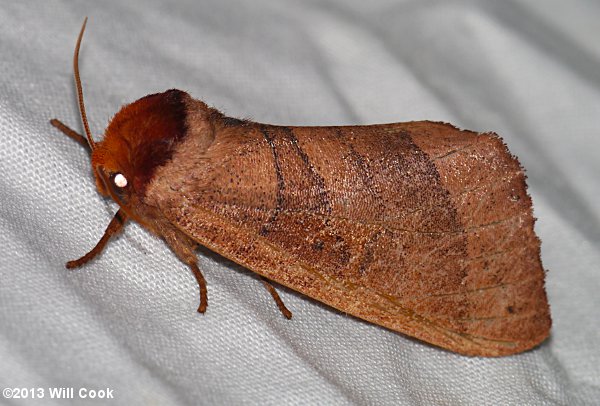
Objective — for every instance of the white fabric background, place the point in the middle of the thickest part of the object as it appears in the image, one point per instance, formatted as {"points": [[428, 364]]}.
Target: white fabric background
{"points": [[529, 70]]}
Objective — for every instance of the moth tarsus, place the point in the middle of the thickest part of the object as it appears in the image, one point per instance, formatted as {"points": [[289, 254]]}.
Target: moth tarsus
{"points": [[70, 132], [282, 308]]}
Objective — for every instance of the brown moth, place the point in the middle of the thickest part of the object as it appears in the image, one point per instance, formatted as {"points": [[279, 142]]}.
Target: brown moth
{"points": [[418, 227]]}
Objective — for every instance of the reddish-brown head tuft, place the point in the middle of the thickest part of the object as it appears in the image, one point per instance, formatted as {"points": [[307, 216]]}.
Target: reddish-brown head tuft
{"points": [[140, 138]]}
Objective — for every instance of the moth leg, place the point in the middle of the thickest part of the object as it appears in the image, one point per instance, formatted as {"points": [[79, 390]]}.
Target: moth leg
{"points": [[284, 310], [184, 248], [202, 285], [70, 132], [114, 227]]}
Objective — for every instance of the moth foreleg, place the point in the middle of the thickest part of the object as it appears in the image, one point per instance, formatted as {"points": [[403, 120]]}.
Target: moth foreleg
{"points": [[284, 310], [70, 132], [114, 227]]}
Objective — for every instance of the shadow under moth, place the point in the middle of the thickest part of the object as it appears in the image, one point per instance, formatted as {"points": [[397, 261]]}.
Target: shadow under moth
{"points": [[418, 227]]}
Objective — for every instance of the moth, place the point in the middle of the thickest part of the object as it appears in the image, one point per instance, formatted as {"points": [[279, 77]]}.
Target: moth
{"points": [[418, 227]]}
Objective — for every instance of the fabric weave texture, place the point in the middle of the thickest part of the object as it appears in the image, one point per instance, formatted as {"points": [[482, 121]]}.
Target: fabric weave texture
{"points": [[528, 70]]}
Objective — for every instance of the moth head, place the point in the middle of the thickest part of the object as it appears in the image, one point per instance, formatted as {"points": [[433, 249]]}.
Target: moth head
{"points": [[141, 137], [113, 174]]}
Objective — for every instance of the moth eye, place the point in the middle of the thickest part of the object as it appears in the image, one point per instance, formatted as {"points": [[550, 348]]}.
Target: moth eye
{"points": [[119, 180]]}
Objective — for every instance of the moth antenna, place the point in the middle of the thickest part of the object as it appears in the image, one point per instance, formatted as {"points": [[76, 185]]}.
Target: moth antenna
{"points": [[86, 126]]}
